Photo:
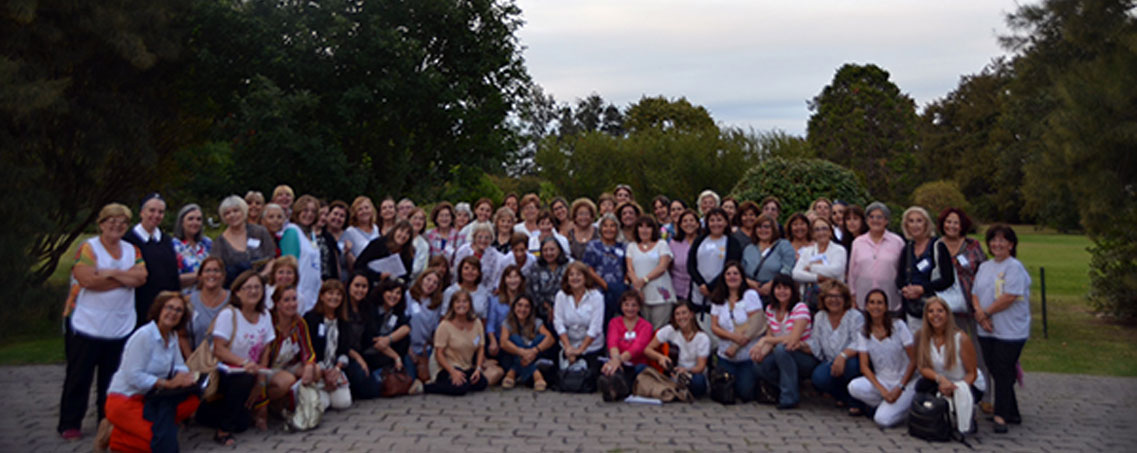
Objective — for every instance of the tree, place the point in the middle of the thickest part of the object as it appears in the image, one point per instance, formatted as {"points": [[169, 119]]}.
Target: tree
{"points": [[936, 196], [797, 182], [862, 121]]}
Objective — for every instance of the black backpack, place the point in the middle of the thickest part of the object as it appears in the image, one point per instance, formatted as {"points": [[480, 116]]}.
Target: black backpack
{"points": [[722, 386], [576, 380], [929, 418], [614, 388]]}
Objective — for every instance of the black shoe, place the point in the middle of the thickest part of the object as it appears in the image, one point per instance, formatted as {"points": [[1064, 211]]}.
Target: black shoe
{"points": [[785, 406], [1000, 428]]}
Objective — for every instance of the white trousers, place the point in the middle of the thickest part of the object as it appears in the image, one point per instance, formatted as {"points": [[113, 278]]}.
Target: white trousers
{"points": [[887, 414]]}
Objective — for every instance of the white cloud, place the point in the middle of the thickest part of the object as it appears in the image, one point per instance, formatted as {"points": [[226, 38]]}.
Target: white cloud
{"points": [[753, 63]]}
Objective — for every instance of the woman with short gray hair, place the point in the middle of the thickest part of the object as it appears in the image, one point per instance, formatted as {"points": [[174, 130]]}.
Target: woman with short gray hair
{"points": [[875, 259], [242, 245], [190, 245]]}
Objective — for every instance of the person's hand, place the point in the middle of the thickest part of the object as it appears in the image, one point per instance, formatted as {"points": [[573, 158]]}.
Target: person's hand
{"points": [[679, 370], [251, 367], [838, 367], [665, 362], [822, 278], [987, 325], [892, 395], [793, 345], [765, 288], [731, 350], [638, 283], [399, 365], [946, 386], [457, 377], [704, 291], [609, 368], [332, 377], [476, 376], [182, 379], [363, 364], [528, 356], [382, 343]]}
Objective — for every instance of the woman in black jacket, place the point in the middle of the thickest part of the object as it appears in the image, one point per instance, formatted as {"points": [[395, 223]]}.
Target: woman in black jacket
{"points": [[708, 254]]}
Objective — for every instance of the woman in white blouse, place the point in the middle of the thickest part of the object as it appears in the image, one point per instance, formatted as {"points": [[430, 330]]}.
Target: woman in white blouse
{"points": [[737, 321], [819, 262], [579, 317], [648, 260], [833, 342], [888, 361]]}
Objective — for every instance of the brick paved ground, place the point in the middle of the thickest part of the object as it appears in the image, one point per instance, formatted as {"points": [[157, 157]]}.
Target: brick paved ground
{"points": [[1061, 413]]}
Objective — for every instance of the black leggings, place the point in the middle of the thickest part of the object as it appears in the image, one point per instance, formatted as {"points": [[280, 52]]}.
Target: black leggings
{"points": [[443, 386], [1001, 357], [229, 413]]}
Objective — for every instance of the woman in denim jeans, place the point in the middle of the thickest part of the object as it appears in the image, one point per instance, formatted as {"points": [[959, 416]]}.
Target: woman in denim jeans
{"points": [[733, 306], [783, 356], [523, 338]]}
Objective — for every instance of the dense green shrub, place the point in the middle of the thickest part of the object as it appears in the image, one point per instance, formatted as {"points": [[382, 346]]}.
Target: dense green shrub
{"points": [[935, 196], [797, 182]]}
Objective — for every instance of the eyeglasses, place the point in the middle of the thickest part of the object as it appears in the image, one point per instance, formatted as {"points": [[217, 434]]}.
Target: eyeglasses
{"points": [[248, 288], [175, 309], [834, 296]]}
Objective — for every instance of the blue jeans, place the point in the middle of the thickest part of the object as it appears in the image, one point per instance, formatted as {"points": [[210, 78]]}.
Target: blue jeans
{"points": [[744, 377], [838, 386], [512, 363], [698, 385], [785, 368], [612, 300]]}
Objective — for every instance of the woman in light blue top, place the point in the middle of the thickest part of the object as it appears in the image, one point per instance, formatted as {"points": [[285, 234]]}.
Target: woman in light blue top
{"points": [[768, 257]]}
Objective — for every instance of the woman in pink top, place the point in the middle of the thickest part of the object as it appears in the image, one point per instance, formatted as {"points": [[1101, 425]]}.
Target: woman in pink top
{"points": [[783, 354], [875, 259], [628, 336]]}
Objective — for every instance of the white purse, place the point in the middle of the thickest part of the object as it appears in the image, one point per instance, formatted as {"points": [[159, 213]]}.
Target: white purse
{"points": [[953, 295]]}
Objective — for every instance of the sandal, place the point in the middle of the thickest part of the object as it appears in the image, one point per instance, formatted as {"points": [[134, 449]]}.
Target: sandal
{"points": [[508, 383], [226, 439], [855, 412], [540, 386]]}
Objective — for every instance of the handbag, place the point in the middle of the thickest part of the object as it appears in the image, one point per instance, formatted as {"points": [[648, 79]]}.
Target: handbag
{"points": [[929, 418], [651, 384], [308, 410], [394, 382], [613, 388], [953, 295], [202, 361], [722, 386], [574, 378]]}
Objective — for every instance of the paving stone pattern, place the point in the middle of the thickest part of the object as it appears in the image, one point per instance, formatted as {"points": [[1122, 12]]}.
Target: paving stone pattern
{"points": [[1062, 413]]}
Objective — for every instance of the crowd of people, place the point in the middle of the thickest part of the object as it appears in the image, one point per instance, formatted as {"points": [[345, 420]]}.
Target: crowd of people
{"points": [[352, 301]]}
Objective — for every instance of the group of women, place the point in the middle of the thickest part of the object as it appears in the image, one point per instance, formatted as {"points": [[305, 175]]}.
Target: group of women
{"points": [[352, 299]]}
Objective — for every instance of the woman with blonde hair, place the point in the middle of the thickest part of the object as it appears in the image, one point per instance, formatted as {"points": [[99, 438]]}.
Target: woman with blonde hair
{"points": [[459, 350], [946, 361]]}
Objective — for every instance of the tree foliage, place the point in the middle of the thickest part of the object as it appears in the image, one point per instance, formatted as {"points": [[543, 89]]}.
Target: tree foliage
{"points": [[862, 121], [936, 196], [798, 182]]}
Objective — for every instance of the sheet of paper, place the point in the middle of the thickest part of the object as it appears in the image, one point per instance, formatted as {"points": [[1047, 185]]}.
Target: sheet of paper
{"points": [[391, 265]]}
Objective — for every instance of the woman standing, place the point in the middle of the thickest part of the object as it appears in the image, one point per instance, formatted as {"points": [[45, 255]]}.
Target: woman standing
{"points": [[582, 231], [746, 220], [686, 231], [443, 238], [362, 229], [483, 213], [274, 221], [709, 200], [660, 209], [559, 209], [106, 270], [511, 201], [418, 242], [545, 279], [459, 350], [523, 338], [767, 257], [606, 260], [676, 208], [709, 253], [730, 205], [888, 362], [206, 300], [489, 260], [875, 259], [797, 231], [299, 241], [578, 321], [256, 203], [627, 213], [503, 229], [833, 342], [819, 262], [530, 207], [151, 362], [334, 236], [1001, 299], [648, 259], [736, 319], [191, 246], [783, 355], [388, 216], [923, 258], [854, 225]]}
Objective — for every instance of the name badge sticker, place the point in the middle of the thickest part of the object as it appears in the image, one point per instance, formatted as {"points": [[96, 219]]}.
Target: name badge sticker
{"points": [[253, 243], [962, 260], [924, 265], [630, 335], [477, 340], [321, 330]]}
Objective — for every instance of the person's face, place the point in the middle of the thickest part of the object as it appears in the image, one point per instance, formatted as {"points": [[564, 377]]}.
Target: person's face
{"points": [[683, 317], [764, 231], [255, 207], [877, 221], [661, 212], [336, 218], [233, 216], [917, 225], [308, 214], [288, 304], [1000, 247], [461, 218], [560, 211], [332, 299], [782, 293], [520, 252], [212, 275], [251, 293], [387, 210], [469, 273], [876, 306], [550, 252], [800, 229], [854, 223], [716, 225], [418, 221], [707, 203], [733, 277], [545, 225], [749, 218], [444, 219], [171, 313], [283, 199], [511, 203], [284, 276], [607, 206], [504, 224], [529, 212], [771, 209], [191, 223], [730, 208], [629, 308], [623, 196], [152, 214], [628, 216], [834, 301], [937, 316], [838, 215], [391, 297], [821, 232], [676, 210], [430, 283], [365, 213], [322, 217], [357, 290], [953, 229], [822, 209], [274, 220], [402, 235], [643, 232], [114, 228], [583, 217], [689, 225], [461, 306], [609, 230], [404, 209], [576, 279], [483, 240], [483, 212], [513, 281], [522, 308]]}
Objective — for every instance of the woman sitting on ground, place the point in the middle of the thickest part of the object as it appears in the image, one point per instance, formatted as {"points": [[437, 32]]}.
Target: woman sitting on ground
{"points": [[387, 339], [833, 342], [736, 319], [628, 336], [459, 350], [144, 420], [332, 342], [783, 356], [523, 338], [290, 355], [578, 318], [511, 286], [888, 362], [694, 348], [946, 357]]}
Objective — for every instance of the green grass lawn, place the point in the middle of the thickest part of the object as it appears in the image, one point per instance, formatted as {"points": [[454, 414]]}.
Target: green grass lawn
{"points": [[1079, 341]]}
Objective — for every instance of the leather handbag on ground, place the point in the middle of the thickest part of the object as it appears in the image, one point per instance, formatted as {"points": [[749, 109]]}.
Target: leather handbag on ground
{"points": [[202, 360], [929, 418], [652, 384], [394, 382], [722, 386], [613, 388]]}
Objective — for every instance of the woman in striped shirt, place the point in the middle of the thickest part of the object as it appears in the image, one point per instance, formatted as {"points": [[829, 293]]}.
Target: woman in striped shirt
{"points": [[783, 354]]}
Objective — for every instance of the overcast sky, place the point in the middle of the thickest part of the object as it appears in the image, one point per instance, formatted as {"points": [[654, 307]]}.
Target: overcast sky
{"points": [[753, 63]]}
